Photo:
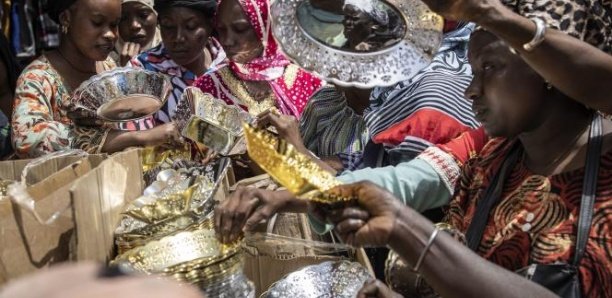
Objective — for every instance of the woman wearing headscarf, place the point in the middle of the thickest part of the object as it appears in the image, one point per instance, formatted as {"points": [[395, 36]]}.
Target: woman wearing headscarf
{"points": [[188, 49], [258, 77], [138, 30], [44, 119]]}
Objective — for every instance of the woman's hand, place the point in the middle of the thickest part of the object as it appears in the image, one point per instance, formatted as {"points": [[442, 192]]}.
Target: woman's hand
{"points": [[161, 135], [83, 117], [372, 221], [286, 126], [129, 50], [245, 208], [376, 289]]}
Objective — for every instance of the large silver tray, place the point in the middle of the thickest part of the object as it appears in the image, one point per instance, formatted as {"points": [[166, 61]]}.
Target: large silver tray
{"points": [[123, 94], [326, 37]]}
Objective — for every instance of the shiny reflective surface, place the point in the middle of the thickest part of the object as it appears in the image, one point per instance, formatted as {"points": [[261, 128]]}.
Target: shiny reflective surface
{"points": [[123, 94], [340, 279], [215, 124], [352, 25], [289, 167], [129, 107], [358, 43]]}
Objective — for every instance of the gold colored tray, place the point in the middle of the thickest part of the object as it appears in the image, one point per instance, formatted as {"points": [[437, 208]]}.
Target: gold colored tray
{"points": [[180, 248], [290, 168]]}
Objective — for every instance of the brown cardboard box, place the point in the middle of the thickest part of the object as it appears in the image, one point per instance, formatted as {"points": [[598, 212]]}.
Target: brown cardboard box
{"points": [[264, 270], [266, 264], [25, 243], [99, 197]]}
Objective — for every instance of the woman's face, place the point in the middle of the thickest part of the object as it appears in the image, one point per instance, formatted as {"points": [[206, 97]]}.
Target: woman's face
{"points": [[138, 23], [92, 26], [357, 24], [185, 33], [236, 34], [508, 97]]}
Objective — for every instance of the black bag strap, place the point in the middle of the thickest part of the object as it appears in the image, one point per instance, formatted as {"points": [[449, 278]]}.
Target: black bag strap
{"points": [[491, 196], [495, 188], [589, 188]]}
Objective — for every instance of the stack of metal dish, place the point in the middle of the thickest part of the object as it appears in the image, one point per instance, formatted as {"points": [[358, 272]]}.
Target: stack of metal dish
{"points": [[217, 277], [169, 230], [177, 200], [196, 257]]}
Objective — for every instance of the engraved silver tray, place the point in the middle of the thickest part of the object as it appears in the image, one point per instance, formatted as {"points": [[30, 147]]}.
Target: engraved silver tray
{"points": [[341, 279], [404, 35], [123, 94]]}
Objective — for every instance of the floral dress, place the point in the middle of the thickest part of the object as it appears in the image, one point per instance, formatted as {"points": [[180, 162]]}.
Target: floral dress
{"points": [[40, 123]]}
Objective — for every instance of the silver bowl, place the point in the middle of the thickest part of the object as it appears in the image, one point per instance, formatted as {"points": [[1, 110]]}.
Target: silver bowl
{"points": [[123, 94], [341, 279]]}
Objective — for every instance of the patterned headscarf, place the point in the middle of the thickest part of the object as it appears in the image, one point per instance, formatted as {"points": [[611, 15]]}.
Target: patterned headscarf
{"points": [[588, 20], [271, 65], [148, 3]]}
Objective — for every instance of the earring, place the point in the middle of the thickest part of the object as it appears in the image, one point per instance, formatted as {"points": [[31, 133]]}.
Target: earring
{"points": [[548, 86], [64, 29]]}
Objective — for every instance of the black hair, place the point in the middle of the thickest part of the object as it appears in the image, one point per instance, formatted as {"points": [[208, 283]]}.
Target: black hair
{"points": [[13, 69], [207, 7], [56, 7]]}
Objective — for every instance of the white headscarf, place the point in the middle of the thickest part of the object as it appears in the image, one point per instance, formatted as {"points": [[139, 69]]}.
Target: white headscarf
{"points": [[148, 3]]}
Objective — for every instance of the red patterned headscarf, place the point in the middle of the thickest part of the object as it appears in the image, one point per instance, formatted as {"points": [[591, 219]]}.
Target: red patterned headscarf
{"points": [[272, 64]]}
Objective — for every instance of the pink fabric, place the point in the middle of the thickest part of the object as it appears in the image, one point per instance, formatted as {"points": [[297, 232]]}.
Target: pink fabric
{"points": [[270, 67]]}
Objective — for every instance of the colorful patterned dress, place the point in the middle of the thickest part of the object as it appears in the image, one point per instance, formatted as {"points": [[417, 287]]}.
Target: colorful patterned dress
{"points": [[40, 124], [291, 86], [536, 219]]}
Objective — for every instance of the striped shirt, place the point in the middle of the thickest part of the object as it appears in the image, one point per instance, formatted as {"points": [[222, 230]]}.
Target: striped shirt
{"points": [[329, 126], [428, 109]]}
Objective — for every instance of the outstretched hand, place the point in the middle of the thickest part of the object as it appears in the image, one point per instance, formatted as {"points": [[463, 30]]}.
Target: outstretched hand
{"points": [[372, 221], [245, 208]]}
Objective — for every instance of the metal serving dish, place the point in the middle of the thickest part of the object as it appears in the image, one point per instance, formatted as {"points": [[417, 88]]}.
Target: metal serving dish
{"points": [[214, 124], [342, 279], [123, 94]]}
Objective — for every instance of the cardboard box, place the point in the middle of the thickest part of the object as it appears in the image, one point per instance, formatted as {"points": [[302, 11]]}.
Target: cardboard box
{"points": [[98, 198], [266, 264], [25, 243]]}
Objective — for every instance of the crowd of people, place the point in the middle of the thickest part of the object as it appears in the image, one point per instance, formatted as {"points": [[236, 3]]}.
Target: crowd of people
{"points": [[506, 131]]}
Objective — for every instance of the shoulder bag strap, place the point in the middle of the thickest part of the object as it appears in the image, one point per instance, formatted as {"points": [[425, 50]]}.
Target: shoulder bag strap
{"points": [[589, 187], [491, 196]]}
